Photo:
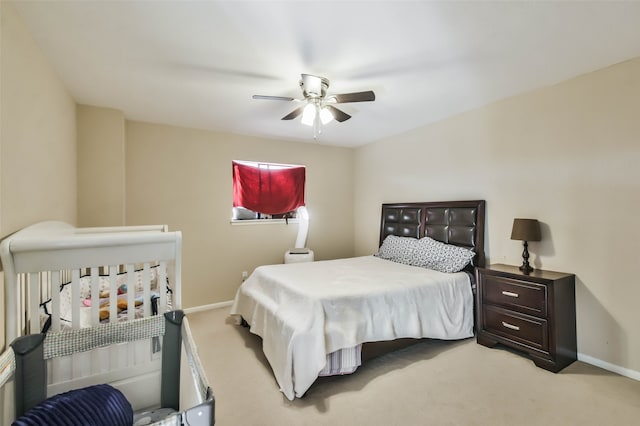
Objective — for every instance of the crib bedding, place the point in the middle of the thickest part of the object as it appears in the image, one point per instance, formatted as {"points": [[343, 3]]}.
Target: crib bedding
{"points": [[305, 311], [119, 286]]}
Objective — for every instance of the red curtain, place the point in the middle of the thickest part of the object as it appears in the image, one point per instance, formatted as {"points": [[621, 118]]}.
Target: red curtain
{"points": [[268, 190]]}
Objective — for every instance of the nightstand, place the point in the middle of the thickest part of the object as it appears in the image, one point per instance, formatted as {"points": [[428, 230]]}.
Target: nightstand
{"points": [[534, 313]]}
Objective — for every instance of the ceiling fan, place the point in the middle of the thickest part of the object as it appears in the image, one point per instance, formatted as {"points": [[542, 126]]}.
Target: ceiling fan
{"points": [[320, 106]]}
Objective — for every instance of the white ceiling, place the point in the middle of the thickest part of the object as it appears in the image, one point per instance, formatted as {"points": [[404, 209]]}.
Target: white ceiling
{"points": [[197, 63]]}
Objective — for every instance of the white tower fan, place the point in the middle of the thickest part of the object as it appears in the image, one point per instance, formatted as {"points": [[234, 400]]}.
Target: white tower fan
{"points": [[300, 253]]}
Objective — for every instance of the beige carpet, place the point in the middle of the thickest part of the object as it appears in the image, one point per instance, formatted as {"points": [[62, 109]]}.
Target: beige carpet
{"points": [[426, 383]]}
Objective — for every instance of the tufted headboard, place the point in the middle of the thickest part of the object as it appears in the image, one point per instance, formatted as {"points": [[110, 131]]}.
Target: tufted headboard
{"points": [[453, 222]]}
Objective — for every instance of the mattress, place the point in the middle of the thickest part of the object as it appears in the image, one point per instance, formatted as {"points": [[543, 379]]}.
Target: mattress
{"points": [[304, 311]]}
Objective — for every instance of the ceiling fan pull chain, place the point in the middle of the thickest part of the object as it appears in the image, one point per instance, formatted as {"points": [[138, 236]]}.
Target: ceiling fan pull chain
{"points": [[317, 120]]}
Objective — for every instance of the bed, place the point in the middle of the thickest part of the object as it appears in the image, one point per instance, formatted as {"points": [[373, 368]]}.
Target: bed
{"points": [[100, 309], [314, 317]]}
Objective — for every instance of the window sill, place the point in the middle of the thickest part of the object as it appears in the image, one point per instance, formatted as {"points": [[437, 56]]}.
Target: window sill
{"points": [[235, 222]]}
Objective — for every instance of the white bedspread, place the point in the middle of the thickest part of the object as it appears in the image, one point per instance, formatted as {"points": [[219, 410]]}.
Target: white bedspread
{"points": [[303, 311]]}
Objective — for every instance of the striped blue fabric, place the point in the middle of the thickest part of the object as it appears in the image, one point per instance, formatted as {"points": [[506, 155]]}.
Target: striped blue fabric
{"points": [[99, 405], [342, 361]]}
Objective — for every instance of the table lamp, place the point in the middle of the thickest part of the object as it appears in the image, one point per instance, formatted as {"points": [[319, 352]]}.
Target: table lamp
{"points": [[525, 230]]}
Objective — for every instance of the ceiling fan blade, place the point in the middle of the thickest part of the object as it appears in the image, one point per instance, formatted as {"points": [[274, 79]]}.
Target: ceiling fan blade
{"points": [[355, 97], [338, 115], [273, 98], [293, 114]]}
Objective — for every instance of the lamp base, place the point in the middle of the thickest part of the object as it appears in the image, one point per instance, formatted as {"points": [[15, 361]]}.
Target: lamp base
{"points": [[526, 268]]}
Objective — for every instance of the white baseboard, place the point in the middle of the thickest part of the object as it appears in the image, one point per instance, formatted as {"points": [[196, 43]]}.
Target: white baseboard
{"points": [[207, 307], [627, 372]]}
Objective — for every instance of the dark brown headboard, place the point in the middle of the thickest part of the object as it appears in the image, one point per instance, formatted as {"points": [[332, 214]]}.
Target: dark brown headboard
{"points": [[453, 222]]}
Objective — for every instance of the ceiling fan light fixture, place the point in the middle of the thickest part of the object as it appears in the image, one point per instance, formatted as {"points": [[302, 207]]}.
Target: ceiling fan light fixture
{"points": [[325, 115], [309, 114], [319, 109]]}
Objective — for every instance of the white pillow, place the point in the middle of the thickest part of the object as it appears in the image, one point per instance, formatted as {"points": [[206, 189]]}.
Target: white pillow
{"points": [[240, 213], [397, 249], [436, 255]]}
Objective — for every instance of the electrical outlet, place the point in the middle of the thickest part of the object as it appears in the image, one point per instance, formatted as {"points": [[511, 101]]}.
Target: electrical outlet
{"points": [[245, 274]]}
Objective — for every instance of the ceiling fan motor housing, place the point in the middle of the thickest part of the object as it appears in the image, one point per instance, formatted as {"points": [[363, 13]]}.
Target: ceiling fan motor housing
{"points": [[313, 86]]}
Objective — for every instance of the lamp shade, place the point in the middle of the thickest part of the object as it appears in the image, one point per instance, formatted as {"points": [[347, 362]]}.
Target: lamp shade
{"points": [[525, 230]]}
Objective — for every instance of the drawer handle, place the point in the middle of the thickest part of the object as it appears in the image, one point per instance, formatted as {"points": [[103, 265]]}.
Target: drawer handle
{"points": [[511, 326], [510, 294]]}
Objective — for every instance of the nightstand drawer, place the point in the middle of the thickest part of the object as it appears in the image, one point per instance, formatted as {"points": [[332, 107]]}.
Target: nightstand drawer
{"points": [[522, 296], [533, 332]]}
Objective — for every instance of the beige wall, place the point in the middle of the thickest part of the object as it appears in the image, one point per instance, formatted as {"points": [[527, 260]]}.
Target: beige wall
{"points": [[182, 177], [37, 136], [101, 168], [567, 155]]}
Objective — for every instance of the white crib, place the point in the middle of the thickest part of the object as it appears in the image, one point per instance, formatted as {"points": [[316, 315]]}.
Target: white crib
{"points": [[68, 280]]}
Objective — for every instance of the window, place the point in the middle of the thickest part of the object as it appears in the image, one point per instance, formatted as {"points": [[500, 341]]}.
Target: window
{"points": [[267, 190]]}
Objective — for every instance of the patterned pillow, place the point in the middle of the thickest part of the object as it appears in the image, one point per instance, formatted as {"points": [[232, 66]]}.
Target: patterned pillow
{"points": [[436, 255], [397, 249]]}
